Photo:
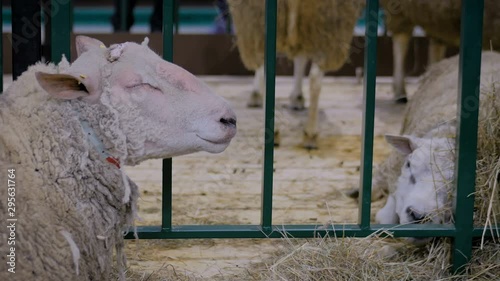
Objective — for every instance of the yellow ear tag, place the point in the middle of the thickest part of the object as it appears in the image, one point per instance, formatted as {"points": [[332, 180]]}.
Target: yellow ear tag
{"points": [[102, 46]]}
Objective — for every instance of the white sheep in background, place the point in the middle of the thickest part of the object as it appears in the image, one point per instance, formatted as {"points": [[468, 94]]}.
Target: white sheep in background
{"points": [[66, 130], [319, 30], [420, 174], [441, 22]]}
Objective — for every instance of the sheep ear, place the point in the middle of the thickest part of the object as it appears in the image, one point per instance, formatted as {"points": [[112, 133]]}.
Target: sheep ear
{"points": [[62, 86], [84, 43], [403, 144]]}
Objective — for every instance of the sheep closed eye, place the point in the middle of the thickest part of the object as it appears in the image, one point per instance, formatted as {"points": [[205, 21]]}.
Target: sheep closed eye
{"points": [[143, 85]]}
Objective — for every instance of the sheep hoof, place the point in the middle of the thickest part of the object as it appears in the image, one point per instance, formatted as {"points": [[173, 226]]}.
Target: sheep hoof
{"points": [[255, 100], [400, 98], [310, 141], [297, 103]]}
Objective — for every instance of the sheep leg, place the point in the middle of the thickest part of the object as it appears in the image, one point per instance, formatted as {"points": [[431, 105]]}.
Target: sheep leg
{"points": [[296, 96], [259, 89], [311, 129], [400, 43], [437, 50]]}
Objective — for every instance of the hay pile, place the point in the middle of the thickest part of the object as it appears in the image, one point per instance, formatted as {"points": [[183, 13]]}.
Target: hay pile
{"points": [[488, 158], [334, 259]]}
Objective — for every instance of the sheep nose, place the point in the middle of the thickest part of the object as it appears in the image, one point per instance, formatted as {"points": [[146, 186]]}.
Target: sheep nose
{"points": [[228, 118], [228, 121], [415, 216]]}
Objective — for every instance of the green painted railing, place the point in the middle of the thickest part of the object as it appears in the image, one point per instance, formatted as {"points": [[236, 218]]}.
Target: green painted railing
{"points": [[462, 232], [371, 20], [270, 73], [60, 29], [471, 38], [168, 54]]}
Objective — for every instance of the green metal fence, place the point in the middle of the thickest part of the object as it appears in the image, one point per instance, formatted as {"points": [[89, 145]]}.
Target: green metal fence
{"points": [[462, 232]]}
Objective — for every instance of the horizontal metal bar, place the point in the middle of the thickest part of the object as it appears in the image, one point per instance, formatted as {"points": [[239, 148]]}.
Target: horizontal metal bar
{"points": [[299, 231], [296, 231], [490, 231]]}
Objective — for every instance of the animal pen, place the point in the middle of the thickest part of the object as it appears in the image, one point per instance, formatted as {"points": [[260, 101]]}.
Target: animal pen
{"points": [[27, 51]]}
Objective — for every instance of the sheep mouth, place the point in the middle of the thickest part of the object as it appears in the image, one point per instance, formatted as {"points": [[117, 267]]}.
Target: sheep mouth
{"points": [[216, 142]]}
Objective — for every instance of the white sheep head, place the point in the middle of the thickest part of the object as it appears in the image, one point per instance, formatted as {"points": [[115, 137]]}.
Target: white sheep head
{"points": [[162, 109], [424, 192]]}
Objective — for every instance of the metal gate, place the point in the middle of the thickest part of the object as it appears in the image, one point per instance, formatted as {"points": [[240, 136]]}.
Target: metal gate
{"points": [[26, 51]]}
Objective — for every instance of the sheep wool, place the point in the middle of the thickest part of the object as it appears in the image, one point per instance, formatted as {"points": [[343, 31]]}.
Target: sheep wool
{"points": [[321, 30], [432, 112], [441, 20], [68, 202]]}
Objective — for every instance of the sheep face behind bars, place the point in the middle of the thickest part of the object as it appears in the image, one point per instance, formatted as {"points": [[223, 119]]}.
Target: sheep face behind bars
{"points": [[66, 130], [320, 31], [419, 173], [441, 22]]}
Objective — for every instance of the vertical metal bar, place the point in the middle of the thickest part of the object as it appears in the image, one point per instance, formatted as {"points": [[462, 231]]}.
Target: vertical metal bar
{"points": [[60, 30], [166, 198], [371, 26], [468, 105], [123, 14], [47, 23], [270, 71], [168, 35], [26, 35], [168, 54]]}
